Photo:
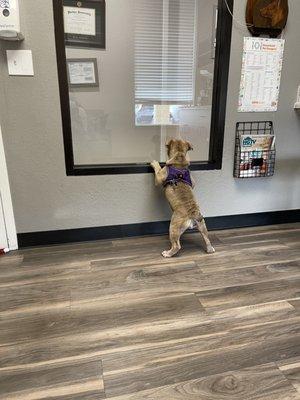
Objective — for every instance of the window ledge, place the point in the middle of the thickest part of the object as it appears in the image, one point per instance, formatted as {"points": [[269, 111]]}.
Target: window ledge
{"points": [[115, 169]]}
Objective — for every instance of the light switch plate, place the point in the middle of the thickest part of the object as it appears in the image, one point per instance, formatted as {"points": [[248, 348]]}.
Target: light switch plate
{"points": [[20, 62]]}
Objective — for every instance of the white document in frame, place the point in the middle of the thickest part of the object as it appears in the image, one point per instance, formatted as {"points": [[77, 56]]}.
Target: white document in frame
{"points": [[82, 73], [261, 74], [80, 21]]}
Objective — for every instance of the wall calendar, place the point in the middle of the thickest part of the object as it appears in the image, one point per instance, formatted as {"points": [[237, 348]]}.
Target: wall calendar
{"points": [[261, 74]]}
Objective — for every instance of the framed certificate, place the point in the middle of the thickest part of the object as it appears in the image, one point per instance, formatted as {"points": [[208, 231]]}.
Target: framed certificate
{"points": [[84, 23], [82, 72]]}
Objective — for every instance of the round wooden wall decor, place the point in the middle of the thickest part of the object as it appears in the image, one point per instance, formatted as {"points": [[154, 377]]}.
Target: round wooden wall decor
{"points": [[267, 17]]}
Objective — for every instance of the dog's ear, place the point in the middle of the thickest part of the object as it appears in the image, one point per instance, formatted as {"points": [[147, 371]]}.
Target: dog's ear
{"points": [[169, 143], [189, 146]]}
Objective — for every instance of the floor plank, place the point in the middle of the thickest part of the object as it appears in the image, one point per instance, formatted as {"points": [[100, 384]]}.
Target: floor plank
{"points": [[291, 370], [255, 293], [296, 305], [199, 345], [79, 380], [264, 382], [193, 366], [101, 315]]}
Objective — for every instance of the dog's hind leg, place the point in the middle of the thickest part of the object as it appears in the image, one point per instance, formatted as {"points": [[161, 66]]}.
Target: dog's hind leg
{"points": [[179, 224], [204, 233]]}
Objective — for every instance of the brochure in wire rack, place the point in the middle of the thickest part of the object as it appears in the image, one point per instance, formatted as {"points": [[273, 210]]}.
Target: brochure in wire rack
{"points": [[255, 155]]}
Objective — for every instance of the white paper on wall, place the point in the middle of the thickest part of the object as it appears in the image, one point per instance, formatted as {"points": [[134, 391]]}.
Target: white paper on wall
{"points": [[261, 74], [80, 21]]}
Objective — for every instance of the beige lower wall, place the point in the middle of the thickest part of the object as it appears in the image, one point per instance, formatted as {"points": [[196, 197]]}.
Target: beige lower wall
{"points": [[46, 199]]}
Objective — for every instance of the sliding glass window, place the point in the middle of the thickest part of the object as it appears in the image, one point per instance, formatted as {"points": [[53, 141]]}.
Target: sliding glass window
{"points": [[134, 73]]}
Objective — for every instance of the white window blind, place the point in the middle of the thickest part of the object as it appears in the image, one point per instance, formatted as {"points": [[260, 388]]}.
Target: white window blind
{"points": [[164, 51]]}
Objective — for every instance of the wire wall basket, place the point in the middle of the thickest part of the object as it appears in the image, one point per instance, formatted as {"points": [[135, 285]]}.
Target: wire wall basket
{"points": [[254, 149]]}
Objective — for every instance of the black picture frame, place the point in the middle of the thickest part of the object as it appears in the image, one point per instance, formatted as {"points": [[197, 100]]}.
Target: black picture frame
{"points": [[221, 71], [81, 61], [78, 40]]}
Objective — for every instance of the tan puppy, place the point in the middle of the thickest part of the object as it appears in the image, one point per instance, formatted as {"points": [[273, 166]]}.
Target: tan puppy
{"points": [[178, 184]]}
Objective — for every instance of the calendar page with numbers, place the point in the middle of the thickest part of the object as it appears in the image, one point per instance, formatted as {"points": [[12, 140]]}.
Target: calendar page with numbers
{"points": [[261, 74]]}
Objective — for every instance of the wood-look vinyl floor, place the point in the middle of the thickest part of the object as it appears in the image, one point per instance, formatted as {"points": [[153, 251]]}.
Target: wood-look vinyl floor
{"points": [[113, 319]]}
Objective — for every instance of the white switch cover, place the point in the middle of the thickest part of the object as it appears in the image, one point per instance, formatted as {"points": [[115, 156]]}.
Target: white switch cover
{"points": [[20, 62]]}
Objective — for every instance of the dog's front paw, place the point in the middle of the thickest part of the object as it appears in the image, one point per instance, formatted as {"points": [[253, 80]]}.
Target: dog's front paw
{"points": [[210, 250], [155, 164], [166, 254]]}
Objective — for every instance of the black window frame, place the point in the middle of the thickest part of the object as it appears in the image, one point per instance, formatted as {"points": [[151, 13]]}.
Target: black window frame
{"points": [[221, 72]]}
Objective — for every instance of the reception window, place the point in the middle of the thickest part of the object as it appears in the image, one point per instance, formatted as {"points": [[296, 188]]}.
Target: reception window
{"points": [[134, 73]]}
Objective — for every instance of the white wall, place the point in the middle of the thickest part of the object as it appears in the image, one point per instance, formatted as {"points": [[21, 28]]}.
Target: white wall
{"points": [[46, 199]]}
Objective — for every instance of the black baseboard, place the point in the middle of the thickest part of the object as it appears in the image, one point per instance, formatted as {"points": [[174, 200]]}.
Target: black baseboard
{"points": [[152, 228]]}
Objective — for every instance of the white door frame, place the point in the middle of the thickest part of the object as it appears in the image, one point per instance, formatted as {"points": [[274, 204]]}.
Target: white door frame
{"points": [[6, 200]]}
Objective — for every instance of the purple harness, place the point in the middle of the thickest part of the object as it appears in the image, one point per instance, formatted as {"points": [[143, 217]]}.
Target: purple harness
{"points": [[178, 175]]}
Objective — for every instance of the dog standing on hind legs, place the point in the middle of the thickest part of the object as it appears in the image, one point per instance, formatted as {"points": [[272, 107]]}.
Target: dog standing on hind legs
{"points": [[178, 184]]}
